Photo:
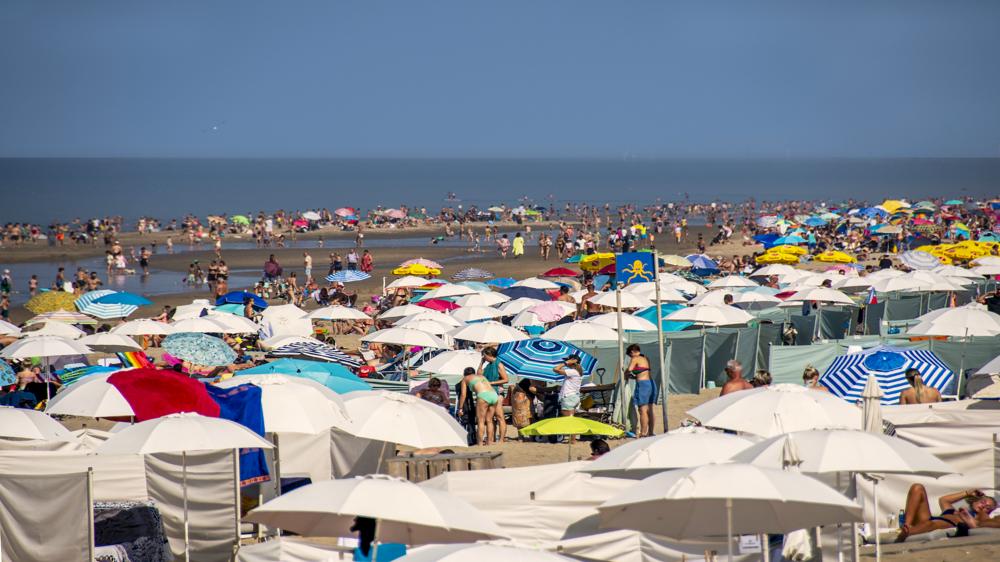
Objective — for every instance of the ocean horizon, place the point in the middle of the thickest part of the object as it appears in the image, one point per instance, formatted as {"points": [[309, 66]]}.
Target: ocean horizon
{"points": [[57, 189]]}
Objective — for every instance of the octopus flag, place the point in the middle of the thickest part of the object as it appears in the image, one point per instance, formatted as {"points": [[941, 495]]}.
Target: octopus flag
{"points": [[635, 267]]}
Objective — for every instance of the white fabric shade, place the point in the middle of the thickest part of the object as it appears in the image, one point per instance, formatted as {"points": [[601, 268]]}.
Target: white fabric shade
{"points": [[21, 423], [651, 455], [400, 418], [91, 397], [490, 331]]}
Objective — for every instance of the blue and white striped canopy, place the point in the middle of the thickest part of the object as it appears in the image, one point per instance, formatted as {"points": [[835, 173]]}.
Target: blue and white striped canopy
{"points": [[319, 351], [87, 304], [916, 259], [472, 273], [347, 276], [535, 358], [847, 375]]}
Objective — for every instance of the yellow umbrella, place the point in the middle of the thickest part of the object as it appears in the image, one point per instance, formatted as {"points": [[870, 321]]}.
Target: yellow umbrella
{"points": [[675, 260], [892, 205], [570, 425], [789, 249], [778, 257], [596, 262], [834, 256], [51, 301], [417, 269]]}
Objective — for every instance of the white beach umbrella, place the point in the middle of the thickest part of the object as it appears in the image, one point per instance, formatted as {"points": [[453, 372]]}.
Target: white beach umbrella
{"points": [[482, 299], [726, 499], [510, 308], [688, 287], [773, 269], [526, 318], [143, 327], [776, 409], [716, 297], [630, 322], [402, 311], [987, 260], [651, 455], [8, 329], [295, 404], [448, 290], [110, 343], [193, 310], [480, 552], [431, 315], [821, 294], [90, 397], [961, 321], [281, 340], [280, 313], [853, 284], [955, 271], [405, 336], [43, 346], [581, 330], [490, 331], [752, 300], [887, 273], [731, 282], [894, 284], [986, 270], [871, 410], [824, 451], [407, 282], [59, 329], [201, 325], [648, 291], [435, 327], [474, 313], [400, 418], [22, 423], [234, 324], [708, 315], [451, 363], [536, 283], [404, 512], [628, 300]]}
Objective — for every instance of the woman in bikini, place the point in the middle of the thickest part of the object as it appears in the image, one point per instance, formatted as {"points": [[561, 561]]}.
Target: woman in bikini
{"points": [[645, 389], [917, 517], [486, 403]]}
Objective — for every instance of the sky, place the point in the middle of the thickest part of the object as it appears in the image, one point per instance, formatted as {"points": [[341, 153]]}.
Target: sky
{"points": [[501, 78]]}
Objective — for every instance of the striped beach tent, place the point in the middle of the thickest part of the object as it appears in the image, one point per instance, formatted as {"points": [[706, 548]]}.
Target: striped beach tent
{"points": [[347, 276], [535, 358], [847, 375], [88, 305], [318, 351]]}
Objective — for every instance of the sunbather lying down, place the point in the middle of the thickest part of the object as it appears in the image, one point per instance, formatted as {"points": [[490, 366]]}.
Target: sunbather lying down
{"points": [[918, 518]]}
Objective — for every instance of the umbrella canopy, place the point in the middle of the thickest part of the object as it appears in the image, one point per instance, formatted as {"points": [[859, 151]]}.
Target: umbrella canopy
{"points": [[848, 375], [91, 397], [491, 332], [481, 299], [8, 329], [407, 282], [776, 409], [295, 405], [416, 270], [570, 425], [536, 283], [239, 297], [821, 294], [91, 303], [406, 513], [731, 282], [480, 553], [337, 312], [581, 330], [449, 290], [535, 358], [694, 502], [405, 336], [551, 311], [559, 272], [422, 261], [333, 376], [502, 282], [430, 326], [110, 343], [651, 455], [431, 315], [50, 301], [402, 311], [471, 273], [962, 321], [22, 423], [440, 305], [152, 393], [123, 298], [628, 300], [451, 363], [43, 346], [711, 315], [67, 331], [824, 451], [184, 432], [346, 212], [515, 306], [400, 418], [199, 349], [347, 276], [143, 327], [65, 316], [320, 351], [630, 322], [526, 292], [7, 374], [475, 313], [200, 325]]}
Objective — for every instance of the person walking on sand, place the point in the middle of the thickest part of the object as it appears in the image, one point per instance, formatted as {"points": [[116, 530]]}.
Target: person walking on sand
{"points": [[367, 262]]}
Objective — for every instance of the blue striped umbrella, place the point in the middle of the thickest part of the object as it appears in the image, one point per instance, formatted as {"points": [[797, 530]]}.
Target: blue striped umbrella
{"points": [[70, 376], [91, 303], [535, 358], [319, 351], [7, 374], [916, 259], [347, 276], [471, 274], [124, 297], [847, 375], [200, 349]]}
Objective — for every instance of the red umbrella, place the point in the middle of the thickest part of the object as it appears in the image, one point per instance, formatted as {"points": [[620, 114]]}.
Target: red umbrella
{"points": [[345, 212], [607, 270], [559, 272], [439, 305], [155, 393]]}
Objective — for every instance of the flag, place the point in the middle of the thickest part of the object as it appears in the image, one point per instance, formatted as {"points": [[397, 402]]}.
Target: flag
{"points": [[872, 299], [634, 267]]}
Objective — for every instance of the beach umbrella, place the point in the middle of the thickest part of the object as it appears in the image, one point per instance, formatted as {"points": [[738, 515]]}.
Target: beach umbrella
{"points": [[479, 286], [535, 358], [405, 337], [407, 282], [197, 308], [895, 284], [404, 512], [628, 300], [515, 306], [320, 351], [110, 343], [451, 363], [668, 291], [7, 374], [502, 282], [153, 393], [392, 417], [64, 316], [278, 314], [526, 292], [416, 270], [962, 321], [651, 455], [778, 269], [559, 272], [199, 349], [123, 298], [955, 271], [345, 211], [311, 216], [43, 346], [182, 433], [726, 499], [790, 240], [526, 318], [821, 294], [472, 273], [201, 325], [67, 331], [630, 322], [22, 423], [347, 276], [8, 329], [337, 312], [709, 315], [240, 220], [432, 315], [50, 301], [551, 311], [275, 342], [581, 330], [752, 300], [835, 256], [665, 310], [295, 404], [847, 376], [439, 305], [91, 303], [89, 297], [426, 325], [239, 297], [422, 261], [536, 283], [333, 376], [702, 264], [987, 260], [92, 397], [570, 425], [776, 409], [731, 282], [449, 290], [481, 299], [475, 313], [480, 552], [402, 311], [490, 331], [143, 327]]}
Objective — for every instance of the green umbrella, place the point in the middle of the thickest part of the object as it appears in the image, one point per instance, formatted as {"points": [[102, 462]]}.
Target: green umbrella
{"points": [[239, 219]]}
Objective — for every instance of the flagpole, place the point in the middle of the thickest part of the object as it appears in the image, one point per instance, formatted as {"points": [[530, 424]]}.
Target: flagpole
{"points": [[664, 374], [620, 374]]}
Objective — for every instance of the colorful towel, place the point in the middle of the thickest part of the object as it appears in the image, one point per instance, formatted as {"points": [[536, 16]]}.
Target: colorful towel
{"points": [[134, 360], [241, 404]]}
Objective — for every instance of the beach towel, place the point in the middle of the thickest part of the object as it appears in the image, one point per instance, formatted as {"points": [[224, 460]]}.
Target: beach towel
{"points": [[134, 360], [241, 404], [154, 393]]}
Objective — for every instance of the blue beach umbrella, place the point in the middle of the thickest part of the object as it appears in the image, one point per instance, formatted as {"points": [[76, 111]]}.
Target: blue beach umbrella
{"points": [[89, 303], [527, 292], [702, 265], [535, 358], [70, 376], [649, 313], [574, 258], [334, 376], [814, 221], [7, 374], [124, 298], [319, 351], [847, 375], [238, 297], [917, 259], [200, 349], [476, 286], [792, 240], [501, 282], [347, 276]]}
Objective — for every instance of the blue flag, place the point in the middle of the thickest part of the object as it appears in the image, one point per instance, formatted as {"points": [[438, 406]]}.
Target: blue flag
{"points": [[634, 267]]}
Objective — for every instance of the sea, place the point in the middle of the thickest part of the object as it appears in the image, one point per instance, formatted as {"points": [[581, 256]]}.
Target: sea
{"points": [[42, 190]]}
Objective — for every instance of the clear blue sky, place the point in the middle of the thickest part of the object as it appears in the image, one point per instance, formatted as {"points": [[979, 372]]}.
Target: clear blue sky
{"points": [[470, 78]]}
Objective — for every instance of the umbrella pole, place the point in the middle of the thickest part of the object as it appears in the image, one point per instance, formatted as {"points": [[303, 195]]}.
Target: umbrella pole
{"points": [[729, 527], [621, 347], [659, 340], [375, 542], [961, 366], [878, 541], [184, 484]]}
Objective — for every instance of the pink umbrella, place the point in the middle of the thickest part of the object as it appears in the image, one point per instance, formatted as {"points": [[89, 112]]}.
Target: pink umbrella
{"points": [[424, 262], [395, 214], [841, 267], [345, 212], [439, 305], [548, 311]]}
